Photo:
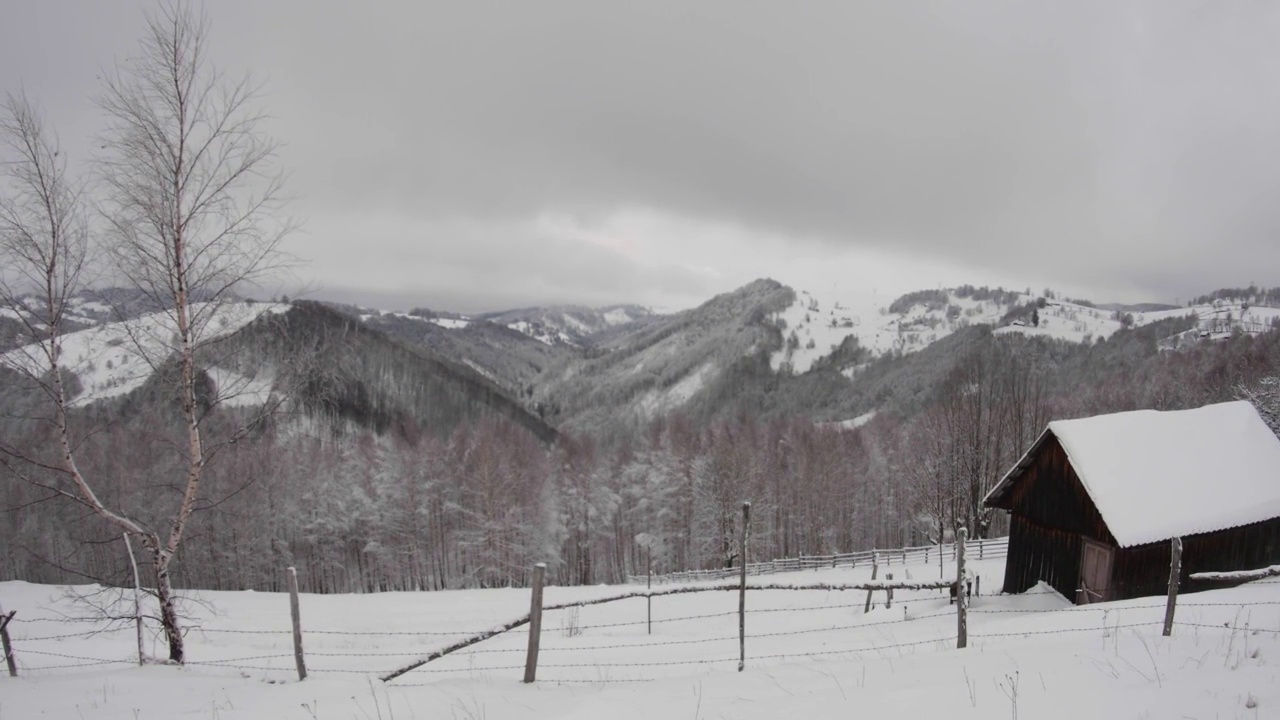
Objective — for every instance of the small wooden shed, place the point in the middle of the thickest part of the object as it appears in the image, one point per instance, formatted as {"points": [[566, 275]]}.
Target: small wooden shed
{"points": [[1094, 502]]}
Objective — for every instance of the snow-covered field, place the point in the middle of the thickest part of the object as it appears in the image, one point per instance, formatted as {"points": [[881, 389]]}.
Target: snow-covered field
{"points": [[809, 654]]}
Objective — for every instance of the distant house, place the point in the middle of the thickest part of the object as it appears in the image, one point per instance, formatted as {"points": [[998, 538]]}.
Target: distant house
{"points": [[1094, 502]]}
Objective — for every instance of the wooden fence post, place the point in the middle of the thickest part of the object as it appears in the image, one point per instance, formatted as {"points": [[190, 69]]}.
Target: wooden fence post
{"points": [[742, 589], [889, 600], [875, 570], [1175, 572], [535, 623], [296, 612], [4, 641], [137, 597], [962, 596]]}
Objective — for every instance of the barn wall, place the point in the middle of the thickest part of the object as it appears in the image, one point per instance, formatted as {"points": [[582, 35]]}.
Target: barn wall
{"points": [[1039, 553], [1144, 570], [1050, 513]]}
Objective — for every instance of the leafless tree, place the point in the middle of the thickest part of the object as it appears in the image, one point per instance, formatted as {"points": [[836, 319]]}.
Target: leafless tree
{"points": [[43, 252], [190, 201], [932, 473], [1264, 394], [43, 231]]}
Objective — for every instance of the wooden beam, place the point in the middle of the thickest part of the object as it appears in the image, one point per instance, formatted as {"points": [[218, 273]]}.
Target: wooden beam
{"points": [[1242, 576]]}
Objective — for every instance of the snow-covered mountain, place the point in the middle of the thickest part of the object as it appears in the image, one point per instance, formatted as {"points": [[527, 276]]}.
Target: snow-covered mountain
{"points": [[113, 358], [507, 356], [818, 324], [571, 324], [664, 362], [582, 366], [327, 365], [576, 366]]}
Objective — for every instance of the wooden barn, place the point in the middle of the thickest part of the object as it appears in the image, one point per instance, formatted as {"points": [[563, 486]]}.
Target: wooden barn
{"points": [[1095, 502]]}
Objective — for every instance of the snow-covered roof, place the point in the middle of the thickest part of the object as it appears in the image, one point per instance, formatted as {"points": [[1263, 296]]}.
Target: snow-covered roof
{"points": [[1157, 475]]}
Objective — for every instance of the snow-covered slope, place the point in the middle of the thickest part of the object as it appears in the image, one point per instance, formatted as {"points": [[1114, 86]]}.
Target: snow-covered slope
{"points": [[817, 323], [573, 325], [88, 308], [455, 322], [80, 310], [808, 655], [116, 358], [509, 355], [1221, 320], [665, 363]]}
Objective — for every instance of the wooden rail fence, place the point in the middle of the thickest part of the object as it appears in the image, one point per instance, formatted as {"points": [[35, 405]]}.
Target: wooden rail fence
{"points": [[981, 549]]}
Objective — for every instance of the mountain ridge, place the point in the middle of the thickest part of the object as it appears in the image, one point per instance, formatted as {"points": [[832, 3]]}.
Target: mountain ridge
{"points": [[578, 368]]}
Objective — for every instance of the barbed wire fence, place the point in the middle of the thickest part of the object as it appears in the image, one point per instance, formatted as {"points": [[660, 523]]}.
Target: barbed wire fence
{"points": [[470, 656], [723, 659]]}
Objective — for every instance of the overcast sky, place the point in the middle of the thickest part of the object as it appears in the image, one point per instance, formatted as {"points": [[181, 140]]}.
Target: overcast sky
{"points": [[474, 155]]}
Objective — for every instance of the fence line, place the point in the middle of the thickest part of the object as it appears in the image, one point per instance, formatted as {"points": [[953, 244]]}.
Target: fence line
{"points": [[947, 640], [237, 663], [982, 549], [250, 662]]}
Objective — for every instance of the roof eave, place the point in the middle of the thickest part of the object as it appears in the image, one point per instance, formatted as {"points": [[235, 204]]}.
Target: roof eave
{"points": [[998, 496]]}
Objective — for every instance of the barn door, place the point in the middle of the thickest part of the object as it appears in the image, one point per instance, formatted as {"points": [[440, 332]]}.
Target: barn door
{"points": [[1095, 573]]}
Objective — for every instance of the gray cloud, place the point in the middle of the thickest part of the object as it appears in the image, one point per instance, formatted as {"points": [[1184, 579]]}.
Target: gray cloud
{"points": [[1128, 148], [474, 266]]}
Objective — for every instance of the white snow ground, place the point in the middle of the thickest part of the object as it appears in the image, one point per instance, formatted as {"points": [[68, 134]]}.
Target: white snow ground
{"points": [[809, 654]]}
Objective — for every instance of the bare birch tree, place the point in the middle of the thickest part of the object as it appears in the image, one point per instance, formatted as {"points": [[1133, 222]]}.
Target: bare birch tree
{"points": [[191, 201], [190, 196], [43, 252], [43, 230]]}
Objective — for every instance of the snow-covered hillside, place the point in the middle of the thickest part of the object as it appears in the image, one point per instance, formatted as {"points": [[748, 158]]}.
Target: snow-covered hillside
{"points": [[572, 325], [818, 323], [811, 653], [1080, 323], [451, 322], [80, 310], [1221, 320], [537, 331], [116, 358], [541, 333]]}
